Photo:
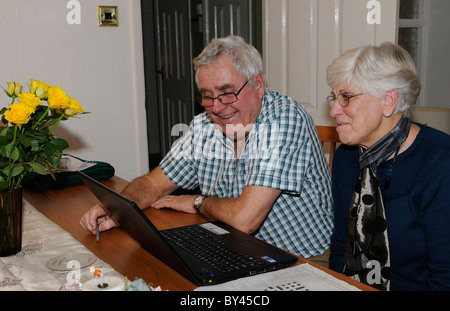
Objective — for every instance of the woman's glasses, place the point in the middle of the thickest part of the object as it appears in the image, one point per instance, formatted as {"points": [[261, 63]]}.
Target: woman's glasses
{"points": [[342, 98]]}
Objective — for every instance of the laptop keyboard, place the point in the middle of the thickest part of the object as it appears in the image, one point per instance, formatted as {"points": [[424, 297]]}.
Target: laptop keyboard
{"points": [[206, 247]]}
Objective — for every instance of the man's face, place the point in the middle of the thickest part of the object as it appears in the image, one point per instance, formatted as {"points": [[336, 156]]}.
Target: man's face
{"points": [[221, 77]]}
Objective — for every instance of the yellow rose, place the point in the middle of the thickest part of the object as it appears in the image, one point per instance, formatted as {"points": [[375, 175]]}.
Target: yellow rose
{"points": [[73, 108], [40, 89], [14, 89], [57, 98], [19, 113], [30, 100]]}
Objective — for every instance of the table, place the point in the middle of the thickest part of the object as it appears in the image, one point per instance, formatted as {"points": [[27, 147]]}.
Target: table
{"points": [[65, 207], [51, 259]]}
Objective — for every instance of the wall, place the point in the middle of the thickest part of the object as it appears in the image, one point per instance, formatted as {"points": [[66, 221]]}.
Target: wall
{"points": [[102, 67], [439, 118], [302, 37], [437, 56]]}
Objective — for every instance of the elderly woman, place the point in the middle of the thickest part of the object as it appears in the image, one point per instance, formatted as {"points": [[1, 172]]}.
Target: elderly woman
{"points": [[391, 177]]}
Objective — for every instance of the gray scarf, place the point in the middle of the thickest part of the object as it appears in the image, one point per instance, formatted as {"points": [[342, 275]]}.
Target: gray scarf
{"points": [[367, 253]]}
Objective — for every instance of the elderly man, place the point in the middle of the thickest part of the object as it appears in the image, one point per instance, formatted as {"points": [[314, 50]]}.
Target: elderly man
{"points": [[254, 154]]}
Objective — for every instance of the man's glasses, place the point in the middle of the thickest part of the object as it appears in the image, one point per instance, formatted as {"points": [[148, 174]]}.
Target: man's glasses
{"points": [[342, 98], [225, 98]]}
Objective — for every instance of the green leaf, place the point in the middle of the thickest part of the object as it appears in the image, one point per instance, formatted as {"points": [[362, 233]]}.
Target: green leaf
{"points": [[38, 168], [22, 153], [34, 145], [15, 154], [9, 148], [60, 143], [49, 170], [55, 158], [3, 151], [54, 150], [17, 169], [4, 140], [8, 132], [40, 159], [25, 141]]}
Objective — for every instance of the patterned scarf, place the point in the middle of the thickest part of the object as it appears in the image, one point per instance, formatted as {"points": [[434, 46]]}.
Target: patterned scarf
{"points": [[367, 253]]}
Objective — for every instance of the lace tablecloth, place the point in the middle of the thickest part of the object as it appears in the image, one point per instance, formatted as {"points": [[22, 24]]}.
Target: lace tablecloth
{"points": [[44, 241]]}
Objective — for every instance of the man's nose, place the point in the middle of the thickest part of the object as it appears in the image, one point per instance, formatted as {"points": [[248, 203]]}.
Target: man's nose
{"points": [[218, 106]]}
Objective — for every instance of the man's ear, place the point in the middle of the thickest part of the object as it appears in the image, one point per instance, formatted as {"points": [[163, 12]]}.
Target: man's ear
{"points": [[260, 84]]}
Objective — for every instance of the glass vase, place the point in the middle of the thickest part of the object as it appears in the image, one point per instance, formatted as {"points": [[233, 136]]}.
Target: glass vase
{"points": [[10, 222]]}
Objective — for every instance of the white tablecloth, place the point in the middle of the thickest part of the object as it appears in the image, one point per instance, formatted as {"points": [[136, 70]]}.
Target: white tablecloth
{"points": [[43, 240]]}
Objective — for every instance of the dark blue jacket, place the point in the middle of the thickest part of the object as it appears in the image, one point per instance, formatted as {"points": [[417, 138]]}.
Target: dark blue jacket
{"points": [[417, 207]]}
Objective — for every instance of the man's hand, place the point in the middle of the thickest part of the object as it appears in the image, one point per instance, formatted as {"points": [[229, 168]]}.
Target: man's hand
{"points": [[182, 203], [96, 213]]}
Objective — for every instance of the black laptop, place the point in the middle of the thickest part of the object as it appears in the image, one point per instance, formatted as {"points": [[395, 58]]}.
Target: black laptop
{"points": [[206, 254]]}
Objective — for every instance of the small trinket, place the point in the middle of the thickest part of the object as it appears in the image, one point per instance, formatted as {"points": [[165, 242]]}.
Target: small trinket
{"points": [[98, 273]]}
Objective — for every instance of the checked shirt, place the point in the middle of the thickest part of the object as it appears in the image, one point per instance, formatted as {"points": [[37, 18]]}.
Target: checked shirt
{"points": [[282, 151]]}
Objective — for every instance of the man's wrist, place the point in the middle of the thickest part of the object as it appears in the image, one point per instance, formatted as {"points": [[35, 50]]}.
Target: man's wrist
{"points": [[198, 203]]}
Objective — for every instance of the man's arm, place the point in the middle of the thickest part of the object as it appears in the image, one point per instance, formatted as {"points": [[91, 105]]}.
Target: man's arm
{"points": [[143, 191], [148, 188], [246, 213]]}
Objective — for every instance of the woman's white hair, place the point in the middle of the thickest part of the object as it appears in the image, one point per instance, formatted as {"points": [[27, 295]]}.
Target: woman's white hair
{"points": [[377, 70], [246, 58]]}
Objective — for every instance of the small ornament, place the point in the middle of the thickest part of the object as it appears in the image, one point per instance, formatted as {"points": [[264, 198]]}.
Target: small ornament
{"points": [[98, 273]]}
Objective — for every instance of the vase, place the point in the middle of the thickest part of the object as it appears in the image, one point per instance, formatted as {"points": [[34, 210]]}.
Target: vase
{"points": [[10, 222]]}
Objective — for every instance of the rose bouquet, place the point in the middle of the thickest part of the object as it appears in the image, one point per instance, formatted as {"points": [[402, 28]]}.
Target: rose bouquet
{"points": [[26, 140]]}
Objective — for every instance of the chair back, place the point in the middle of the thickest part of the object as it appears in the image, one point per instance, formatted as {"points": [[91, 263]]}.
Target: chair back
{"points": [[328, 136]]}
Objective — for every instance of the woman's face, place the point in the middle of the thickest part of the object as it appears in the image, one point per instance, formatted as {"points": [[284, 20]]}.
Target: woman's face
{"points": [[361, 121]]}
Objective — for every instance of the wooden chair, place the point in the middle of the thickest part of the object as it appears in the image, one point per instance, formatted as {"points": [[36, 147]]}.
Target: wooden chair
{"points": [[329, 136]]}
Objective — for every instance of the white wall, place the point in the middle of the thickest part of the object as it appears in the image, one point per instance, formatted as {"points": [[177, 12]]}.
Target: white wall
{"points": [[437, 56], [302, 37], [102, 67]]}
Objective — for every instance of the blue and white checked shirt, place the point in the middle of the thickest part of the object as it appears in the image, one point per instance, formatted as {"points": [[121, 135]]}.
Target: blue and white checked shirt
{"points": [[282, 151]]}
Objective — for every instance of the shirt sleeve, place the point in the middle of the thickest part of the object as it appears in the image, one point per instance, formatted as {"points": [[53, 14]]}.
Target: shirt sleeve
{"points": [[179, 163]]}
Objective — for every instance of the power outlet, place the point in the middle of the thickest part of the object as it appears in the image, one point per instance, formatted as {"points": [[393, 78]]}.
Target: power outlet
{"points": [[108, 16]]}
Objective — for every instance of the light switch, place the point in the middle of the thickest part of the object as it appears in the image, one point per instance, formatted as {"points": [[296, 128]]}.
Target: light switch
{"points": [[108, 16]]}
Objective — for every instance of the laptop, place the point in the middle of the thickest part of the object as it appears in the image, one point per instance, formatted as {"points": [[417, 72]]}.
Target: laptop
{"points": [[229, 254]]}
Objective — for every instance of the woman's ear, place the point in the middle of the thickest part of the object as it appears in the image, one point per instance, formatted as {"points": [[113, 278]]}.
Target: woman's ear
{"points": [[390, 102]]}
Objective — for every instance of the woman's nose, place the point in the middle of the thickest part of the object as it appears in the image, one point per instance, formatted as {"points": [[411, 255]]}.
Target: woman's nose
{"points": [[335, 110]]}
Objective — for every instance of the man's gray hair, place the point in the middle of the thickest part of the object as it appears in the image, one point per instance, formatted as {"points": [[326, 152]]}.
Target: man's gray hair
{"points": [[246, 58]]}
